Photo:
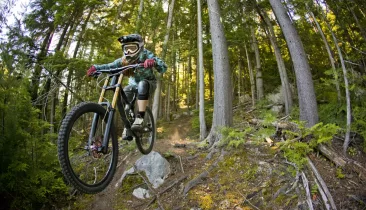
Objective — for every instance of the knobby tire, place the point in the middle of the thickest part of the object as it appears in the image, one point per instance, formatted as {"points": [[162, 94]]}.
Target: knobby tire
{"points": [[76, 113]]}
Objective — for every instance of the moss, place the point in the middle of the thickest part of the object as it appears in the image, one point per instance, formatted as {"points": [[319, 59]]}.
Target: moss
{"points": [[82, 201], [124, 193], [206, 202], [250, 174], [340, 174]]}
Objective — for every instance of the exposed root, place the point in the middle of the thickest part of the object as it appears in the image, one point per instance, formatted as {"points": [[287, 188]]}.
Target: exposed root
{"points": [[322, 184], [200, 178], [306, 186]]}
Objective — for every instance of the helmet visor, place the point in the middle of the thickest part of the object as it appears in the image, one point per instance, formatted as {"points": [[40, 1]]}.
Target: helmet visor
{"points": [[130, 48]]}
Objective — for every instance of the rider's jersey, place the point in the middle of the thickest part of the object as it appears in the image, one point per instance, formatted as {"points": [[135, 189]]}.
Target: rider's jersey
{"points": [[140, 73]]}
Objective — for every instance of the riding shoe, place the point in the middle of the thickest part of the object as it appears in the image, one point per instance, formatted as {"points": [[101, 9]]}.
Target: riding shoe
{"points": [[138, 125], [126, 135]]}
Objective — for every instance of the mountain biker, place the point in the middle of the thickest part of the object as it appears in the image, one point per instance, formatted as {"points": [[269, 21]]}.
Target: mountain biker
{"points": [[141, 80]]}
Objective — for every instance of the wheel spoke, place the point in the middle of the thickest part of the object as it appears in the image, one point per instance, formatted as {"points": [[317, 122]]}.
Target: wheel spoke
{"points": [[88, 169]]}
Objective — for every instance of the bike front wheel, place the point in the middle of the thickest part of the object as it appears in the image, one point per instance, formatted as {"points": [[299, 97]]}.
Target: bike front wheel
{"points": [[146, 137], [85, 163]]}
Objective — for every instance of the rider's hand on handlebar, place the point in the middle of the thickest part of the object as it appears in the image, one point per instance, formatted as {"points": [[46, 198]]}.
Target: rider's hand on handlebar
{"points": [[149, 63], [92, 72]]}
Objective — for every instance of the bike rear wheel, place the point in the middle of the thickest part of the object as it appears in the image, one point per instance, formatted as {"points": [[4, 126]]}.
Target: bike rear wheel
{"points": [[145, 139], [88, 169]]}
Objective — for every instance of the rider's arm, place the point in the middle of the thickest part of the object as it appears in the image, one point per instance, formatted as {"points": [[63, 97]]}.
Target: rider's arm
{"points": [[115, 64], [160, 66]]}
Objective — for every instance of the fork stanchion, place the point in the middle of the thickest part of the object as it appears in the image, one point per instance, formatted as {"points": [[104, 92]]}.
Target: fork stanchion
{"points": [[116, 93], [103, 90]]}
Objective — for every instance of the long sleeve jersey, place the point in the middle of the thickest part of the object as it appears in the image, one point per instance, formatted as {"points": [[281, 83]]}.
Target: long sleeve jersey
{"points": [[140, 73]]}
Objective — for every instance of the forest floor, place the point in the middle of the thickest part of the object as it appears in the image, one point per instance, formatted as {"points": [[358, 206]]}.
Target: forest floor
{"points": [[255, 175]]}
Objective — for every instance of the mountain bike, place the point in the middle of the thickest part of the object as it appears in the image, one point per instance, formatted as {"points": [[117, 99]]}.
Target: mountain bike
{"points": [[87, 141]]}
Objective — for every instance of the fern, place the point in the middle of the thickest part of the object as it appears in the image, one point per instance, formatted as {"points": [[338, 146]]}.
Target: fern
{"points": [[232, 137]]}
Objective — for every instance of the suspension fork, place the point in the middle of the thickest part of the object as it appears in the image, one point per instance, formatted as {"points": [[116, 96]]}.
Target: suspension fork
{"points": [[110, 109], [96, 116]]}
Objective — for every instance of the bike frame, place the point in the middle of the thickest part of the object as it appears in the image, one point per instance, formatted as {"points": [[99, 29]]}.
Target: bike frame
{"points": [[115, 85]]}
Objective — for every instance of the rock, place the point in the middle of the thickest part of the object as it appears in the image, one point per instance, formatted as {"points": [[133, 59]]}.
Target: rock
{"points": [[141, 193], [225, 204], [245, 98], [156, 168], [176, 116], [277, 108]]}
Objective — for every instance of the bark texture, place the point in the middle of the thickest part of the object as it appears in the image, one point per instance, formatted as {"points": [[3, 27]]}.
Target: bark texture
{"points": [[223, 114], [158, 85], [258, 68], [287, 94], [304, 81], [203, 128]]}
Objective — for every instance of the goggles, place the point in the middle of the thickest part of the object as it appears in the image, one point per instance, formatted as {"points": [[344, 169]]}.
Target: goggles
{"points": [[130, 48]]}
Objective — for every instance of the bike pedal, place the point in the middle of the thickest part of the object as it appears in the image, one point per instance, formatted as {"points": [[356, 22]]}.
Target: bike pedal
{"points": [[127, 138]]}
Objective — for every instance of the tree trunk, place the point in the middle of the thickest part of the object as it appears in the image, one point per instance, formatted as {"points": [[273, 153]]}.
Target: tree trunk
{"points": [[240, 69], [280, 63], [203, 128], [37, 71], [62, 36], [189, 83], [197, 85], [158, 86], [259, 80], [363, 33], [209, 66], [330, 55], [348, 97], [305, 86], [139, 17], [71, 72], [168, 101], [223, 113], [174, 79], [251, 76]]}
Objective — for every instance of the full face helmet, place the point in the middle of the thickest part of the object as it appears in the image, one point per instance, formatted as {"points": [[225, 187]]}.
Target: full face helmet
{"points": [[132, 46]]}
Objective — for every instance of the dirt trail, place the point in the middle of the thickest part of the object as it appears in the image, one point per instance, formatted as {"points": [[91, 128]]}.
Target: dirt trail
{"points": [[252, 176], [172, 142]]}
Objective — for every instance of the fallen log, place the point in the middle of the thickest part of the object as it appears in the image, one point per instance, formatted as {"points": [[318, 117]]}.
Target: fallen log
{"points": [[280, 124], [333, 156], [342, 162]]}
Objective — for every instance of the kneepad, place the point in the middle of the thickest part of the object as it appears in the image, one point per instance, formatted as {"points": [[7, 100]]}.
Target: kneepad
{"points": [[143, 90]]}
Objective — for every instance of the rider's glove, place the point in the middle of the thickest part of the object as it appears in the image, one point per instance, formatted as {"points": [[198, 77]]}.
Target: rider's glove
{"points": [[149, 63], [92, 72]]}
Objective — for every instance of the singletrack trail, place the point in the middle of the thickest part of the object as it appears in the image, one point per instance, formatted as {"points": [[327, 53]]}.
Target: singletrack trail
{"points": [[254, 175]]}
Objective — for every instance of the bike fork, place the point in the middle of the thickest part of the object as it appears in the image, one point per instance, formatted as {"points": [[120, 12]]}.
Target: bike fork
{"points": [[109, 115]]}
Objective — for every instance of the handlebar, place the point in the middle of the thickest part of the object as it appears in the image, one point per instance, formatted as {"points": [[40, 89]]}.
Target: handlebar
{"points": [[120, 69]]}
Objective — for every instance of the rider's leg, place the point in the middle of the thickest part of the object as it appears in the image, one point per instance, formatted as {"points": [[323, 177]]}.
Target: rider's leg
{"points": [[129, 91], [144, 91], [142, 107]]}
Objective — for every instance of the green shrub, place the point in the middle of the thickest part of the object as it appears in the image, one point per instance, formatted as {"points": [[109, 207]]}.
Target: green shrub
{"points": [[232, 137]]}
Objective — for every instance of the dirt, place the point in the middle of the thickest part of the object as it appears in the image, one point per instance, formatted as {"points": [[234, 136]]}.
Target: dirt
{"points": [[252, 176]]}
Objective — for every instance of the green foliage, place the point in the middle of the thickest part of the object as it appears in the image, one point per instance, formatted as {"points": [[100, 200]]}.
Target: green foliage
{"points": [[232, 137], [352, 151], [332, 113], [340, 174], [359, 123], [297, 151], [29, 172]]}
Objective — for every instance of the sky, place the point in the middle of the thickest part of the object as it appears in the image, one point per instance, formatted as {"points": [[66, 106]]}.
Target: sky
{"points": [[15, 12]]}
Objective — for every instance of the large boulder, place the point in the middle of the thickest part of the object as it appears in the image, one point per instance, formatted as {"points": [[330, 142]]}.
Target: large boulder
{"points": [[155, 166]]}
